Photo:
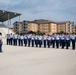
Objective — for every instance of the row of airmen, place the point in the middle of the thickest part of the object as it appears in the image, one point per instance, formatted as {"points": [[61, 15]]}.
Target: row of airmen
{"points": [[39, 40]]}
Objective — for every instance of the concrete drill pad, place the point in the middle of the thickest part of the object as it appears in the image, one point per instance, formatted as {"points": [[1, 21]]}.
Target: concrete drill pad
{"points": [[17, 60]]}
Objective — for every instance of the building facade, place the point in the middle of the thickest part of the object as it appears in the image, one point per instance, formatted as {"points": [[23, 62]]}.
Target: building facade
{"points": [[20, 27], [32, 27], [75, 29], [67, 27], [16, 26], [45, 26], [53, 28]]}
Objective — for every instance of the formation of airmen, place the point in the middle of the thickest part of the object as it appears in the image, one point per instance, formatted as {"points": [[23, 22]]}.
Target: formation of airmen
{"points": [[54, 40]]}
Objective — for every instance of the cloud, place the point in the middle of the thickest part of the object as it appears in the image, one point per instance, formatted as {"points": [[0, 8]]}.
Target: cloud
{"points": [[5, 2], [45, 9]]}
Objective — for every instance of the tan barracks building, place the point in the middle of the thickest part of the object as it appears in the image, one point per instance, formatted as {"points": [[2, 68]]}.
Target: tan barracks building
{"points": [[46, 26], [75, 29]]}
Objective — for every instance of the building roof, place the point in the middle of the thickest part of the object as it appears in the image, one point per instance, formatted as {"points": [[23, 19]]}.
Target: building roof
{"points": [[42, 21], [63, 22], [4, 15]]}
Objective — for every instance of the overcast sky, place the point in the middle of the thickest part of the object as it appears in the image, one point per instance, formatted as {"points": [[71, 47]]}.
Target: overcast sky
{"points": [[56, 10]]}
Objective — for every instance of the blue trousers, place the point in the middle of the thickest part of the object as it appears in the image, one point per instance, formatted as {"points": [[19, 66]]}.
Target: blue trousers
{"points": [[44, 43], [25, 42], [67, 44], [32, 43], [40, 43], [36, 43], [28, 42], [0, 47], [63, 43], [57, 43], [19, 41], [73, 44], [48, 43]]}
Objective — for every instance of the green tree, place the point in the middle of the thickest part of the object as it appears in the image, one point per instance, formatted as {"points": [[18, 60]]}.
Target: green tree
{"points": [[40, 33], [17, 32], [61, 32]]}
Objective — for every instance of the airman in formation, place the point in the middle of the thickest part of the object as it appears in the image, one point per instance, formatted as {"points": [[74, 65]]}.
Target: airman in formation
{"points": [[33, 40]]}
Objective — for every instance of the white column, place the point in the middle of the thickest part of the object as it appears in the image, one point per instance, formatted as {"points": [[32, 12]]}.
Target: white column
{"points": [[19, 23], [8, 23]]}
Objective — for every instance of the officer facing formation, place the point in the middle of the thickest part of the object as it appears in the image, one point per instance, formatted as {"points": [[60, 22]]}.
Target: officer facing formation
{"points": [[54, 40], [1, 42]]}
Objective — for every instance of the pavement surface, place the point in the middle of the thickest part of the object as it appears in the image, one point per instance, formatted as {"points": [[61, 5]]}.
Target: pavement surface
{"points": [[17, 60]]}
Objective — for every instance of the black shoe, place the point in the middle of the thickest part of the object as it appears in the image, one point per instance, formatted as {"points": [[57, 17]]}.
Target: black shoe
{"points": [[1, 52], [73, 49]]}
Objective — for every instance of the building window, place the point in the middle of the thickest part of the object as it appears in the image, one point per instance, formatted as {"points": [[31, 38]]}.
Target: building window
{"points": [[68, 27], [72, 31], [16, 27], [16, 24], [68, 30]]}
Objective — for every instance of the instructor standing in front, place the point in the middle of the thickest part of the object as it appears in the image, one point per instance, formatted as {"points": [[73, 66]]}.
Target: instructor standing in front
{"points": [[1, 42]]}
